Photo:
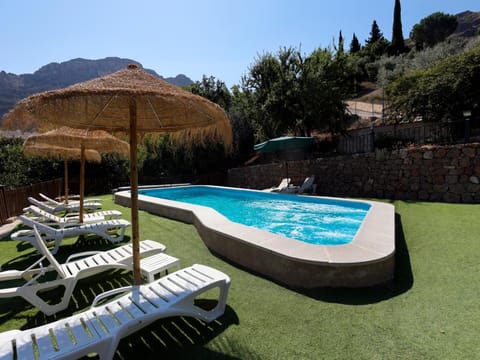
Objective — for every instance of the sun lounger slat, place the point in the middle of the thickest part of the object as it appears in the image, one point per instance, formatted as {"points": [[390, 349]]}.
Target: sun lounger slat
{"points": [[25, 349], [120, 253], [131, 308], [45, 344], [118, 312], [154, 298], [99, 260], [163, 292], [144, 304], [6, 350], [106, 321], [62, 337]]}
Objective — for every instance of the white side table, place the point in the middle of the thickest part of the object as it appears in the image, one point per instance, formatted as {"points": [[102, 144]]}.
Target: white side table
{"points": [[155, 264]]}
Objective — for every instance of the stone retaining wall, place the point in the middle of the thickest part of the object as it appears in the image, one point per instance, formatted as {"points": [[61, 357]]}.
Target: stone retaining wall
{"points": [[433, 173]]}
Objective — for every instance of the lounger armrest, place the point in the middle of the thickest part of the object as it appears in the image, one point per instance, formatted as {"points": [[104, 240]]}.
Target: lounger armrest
{"points": [[10, 275], [82, 254], [27, 209], [112, 292]]}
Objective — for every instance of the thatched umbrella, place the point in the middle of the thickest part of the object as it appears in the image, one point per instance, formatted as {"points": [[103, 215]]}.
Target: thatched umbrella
{"points": [[132, 101], [60, 153], [82, 140]]}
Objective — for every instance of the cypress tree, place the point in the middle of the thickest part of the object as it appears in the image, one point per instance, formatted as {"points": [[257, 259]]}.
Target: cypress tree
{"points": [[354, 45], [340, 49], [398, 44]]}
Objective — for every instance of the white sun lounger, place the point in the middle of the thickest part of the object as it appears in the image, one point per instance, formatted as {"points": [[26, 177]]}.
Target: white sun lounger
{"points": [[91, 263], [56, 203], [306, 186], [111, 230], [285, 183], [89, 206], [99, 329], [70, 219]]}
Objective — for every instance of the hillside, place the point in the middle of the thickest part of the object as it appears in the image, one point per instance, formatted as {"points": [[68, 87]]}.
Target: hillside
{"points": [[58, 75], [369, 102]]}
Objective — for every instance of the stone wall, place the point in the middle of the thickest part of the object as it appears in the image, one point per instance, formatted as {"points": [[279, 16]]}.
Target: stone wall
{"points": [[433, 173]]}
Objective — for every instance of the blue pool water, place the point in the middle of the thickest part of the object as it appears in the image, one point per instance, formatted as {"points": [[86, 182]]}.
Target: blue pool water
{"points": [[310, 219]]}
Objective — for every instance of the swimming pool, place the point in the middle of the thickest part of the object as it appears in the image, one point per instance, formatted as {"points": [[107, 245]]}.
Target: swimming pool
{"points": [[367, 260], [310, 219]]}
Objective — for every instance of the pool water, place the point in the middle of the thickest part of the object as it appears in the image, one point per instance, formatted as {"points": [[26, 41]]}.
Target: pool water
{"points": [[310, 219]]}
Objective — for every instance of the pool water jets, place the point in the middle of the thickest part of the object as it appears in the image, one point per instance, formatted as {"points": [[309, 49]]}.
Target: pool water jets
{"points": [[312, 220]]}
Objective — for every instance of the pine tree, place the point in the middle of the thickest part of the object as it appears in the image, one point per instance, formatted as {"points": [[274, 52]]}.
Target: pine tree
{"points": [[397, 45], [354, 45], [375, 34], [376, 45]]}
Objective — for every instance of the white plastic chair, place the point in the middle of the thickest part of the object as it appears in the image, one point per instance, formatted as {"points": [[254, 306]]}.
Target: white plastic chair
{"points": [[100, 329], [111, 230], [77, 266]]}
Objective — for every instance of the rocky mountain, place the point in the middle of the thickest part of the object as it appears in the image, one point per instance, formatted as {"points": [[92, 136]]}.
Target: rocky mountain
{"points": [[468, 24], [58, 75]]}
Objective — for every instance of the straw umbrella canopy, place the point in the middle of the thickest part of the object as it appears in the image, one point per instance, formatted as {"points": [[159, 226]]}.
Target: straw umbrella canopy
{"points": [[60, 153], [85, 144], [135, 102]]}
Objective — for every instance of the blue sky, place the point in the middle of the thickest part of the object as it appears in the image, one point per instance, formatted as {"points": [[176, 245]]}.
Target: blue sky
{"points": [[193, 37]]}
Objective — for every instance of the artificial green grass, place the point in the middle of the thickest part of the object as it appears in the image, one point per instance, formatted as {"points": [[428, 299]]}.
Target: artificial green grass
{"points": [[430, 311]]}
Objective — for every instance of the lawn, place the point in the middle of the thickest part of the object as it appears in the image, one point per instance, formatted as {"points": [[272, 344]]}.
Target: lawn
{"points": [[430, 311]]}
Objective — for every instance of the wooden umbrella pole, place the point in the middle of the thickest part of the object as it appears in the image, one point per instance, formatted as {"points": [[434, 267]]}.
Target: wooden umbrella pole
{"points": [[65, 179], [134, 191], [82, 181]]}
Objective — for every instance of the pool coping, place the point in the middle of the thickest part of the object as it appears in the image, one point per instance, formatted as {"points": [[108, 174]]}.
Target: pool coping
{"points": [[374, 242]]}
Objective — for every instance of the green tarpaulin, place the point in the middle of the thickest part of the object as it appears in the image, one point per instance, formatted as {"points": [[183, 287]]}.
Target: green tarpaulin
{"points": [[285, 143]]}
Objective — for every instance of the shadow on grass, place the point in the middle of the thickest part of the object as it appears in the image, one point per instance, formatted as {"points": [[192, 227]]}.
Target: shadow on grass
{"points": [[402, 282], [180, 338], [83, 243]]}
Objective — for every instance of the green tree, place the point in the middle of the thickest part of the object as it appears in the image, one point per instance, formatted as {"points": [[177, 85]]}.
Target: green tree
{"points": [[397, 45], [376, 45], [355, 46], [240, 115], [440, 92], [272, 90], [326, 82], [295, 94], [17, 170], [375, 34], [212, 89], [433, 29]]}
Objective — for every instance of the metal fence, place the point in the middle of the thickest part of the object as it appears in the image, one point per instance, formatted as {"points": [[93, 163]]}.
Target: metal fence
{"points": [[416, 133], [13, 201]]}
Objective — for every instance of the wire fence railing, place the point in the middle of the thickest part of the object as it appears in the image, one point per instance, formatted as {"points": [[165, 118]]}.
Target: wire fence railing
{"points": [[416, 133]]}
